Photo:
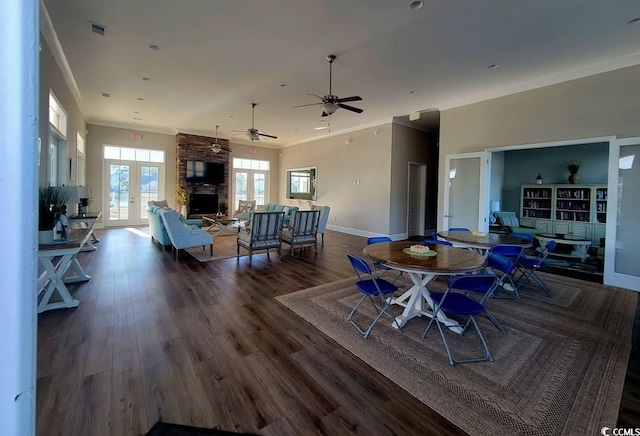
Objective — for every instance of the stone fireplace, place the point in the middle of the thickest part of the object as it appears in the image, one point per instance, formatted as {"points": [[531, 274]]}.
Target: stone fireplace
{"points": [[198, 148]]}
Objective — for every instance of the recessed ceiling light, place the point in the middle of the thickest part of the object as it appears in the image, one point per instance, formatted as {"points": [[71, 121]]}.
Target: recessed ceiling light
{"points": [[296, 129], [634, 21], [137, 118], [493, 66], [412, 92], [283, 85], [140, 98], [416, 5], [146, 79], [105, 94], [154, 47], [230, 116], [135, 112]]}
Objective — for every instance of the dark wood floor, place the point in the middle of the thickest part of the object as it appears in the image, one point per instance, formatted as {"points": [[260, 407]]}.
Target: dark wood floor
{"points": [[206, 344]]}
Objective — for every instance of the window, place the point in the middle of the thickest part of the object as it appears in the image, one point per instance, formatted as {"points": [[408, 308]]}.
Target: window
{"points": [[57, 150], [250, 164], [81, 163], [134, 154]]}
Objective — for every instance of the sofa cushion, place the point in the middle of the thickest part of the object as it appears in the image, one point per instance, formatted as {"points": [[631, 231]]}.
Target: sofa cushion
{"points": [[271, 207], [278, 208], [159, 203]]}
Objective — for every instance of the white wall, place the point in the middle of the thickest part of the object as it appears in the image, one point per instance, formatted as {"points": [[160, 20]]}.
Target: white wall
{"points": [[18, 188], [51, 78], [601, 105], [355, 208]]}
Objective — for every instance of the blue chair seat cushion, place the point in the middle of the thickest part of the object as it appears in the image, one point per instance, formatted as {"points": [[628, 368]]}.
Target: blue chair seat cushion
{"points": [[457, 304], [369, 287]]}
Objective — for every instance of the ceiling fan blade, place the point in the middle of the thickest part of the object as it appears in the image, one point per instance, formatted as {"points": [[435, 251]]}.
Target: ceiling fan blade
{"points": [[316, 95], [243, 131], [268, 136], [324, 114], [348, 99], [310, 104], [350, 108]]}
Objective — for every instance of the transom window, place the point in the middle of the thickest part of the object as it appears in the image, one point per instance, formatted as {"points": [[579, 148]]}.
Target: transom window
{"points": [[250, 164], [57, 116], [134, 154]]}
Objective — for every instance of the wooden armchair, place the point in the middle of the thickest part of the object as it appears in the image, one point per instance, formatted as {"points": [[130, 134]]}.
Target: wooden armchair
{"points": [[304, 230], [263, 233]]}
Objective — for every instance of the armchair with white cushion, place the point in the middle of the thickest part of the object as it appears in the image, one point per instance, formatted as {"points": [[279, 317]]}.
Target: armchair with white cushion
{"points": [[245, 207], [323, 220], [262, 234], [303, 231], [182, 235]]}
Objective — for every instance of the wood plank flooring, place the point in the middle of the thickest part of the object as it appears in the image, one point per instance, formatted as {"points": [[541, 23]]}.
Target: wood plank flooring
{"points": [[206, 344]]}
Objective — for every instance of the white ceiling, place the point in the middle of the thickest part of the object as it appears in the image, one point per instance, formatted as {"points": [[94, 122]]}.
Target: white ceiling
{"points": [[216, 57]]}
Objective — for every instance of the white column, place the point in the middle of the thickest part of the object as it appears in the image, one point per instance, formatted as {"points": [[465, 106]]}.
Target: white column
{"points": [[19, 37]]}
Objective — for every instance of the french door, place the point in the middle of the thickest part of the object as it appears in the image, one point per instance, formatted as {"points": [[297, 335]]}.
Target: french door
{"points": [[466, 191], [622, 244], [250, 185], [129, 185]]}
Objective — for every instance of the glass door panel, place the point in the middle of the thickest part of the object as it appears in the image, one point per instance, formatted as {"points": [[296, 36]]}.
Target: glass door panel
{"points": [[240, 187], [119, 183], [465, 192], [260, 187], [622, 246], [149, 183]]}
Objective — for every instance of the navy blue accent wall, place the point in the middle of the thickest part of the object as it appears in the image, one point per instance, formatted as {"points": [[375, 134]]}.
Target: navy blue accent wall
{"points": [[521, 167]]}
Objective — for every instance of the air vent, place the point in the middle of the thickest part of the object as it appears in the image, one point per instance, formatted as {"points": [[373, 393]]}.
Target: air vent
{"points": [[98, 28]]}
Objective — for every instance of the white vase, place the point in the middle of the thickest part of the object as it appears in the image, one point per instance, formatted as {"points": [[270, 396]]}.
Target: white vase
{"points": [[45, 236]]}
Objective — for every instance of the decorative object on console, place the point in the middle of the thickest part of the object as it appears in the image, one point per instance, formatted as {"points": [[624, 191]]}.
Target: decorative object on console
{"points": [[539, 179], [494, 206], [573, 166], [182, 198], [51, 205]]}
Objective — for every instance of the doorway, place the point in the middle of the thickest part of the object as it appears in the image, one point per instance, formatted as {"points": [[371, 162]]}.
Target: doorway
{"points": [[132, 177], [416, 198]]}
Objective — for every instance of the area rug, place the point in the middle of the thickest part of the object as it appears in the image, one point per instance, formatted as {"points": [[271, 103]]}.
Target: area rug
{"points": [[224, 247], [559, 369]]}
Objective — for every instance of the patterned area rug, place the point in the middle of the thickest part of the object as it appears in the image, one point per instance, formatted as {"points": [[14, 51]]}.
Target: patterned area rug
{"points": [[224, 247], [559, 369]]}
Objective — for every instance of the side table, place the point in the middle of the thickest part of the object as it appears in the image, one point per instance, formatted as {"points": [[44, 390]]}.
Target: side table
{"points": [[86, 221]]}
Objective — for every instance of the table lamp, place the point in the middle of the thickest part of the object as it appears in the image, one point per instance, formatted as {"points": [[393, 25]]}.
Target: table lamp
{"points": [[495, 207], [84, 194]]}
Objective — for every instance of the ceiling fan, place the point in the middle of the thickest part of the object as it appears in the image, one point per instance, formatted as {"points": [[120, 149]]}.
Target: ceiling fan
{"points": [[216, 147], [331, 103], [253, 133]]}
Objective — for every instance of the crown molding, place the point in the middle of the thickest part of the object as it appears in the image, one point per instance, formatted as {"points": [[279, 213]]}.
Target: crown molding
{"points": [[376, 123], [51, 37], [541, 82]]}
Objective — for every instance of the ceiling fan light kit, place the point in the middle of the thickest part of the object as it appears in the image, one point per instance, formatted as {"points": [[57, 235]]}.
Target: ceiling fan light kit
{"points": [[217, 148], [331, 103]]}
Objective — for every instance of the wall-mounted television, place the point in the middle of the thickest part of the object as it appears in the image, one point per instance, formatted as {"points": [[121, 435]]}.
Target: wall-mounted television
{"points": [[205, 173]]}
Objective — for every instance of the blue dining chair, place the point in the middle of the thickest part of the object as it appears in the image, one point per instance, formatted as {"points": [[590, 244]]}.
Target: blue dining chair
{"points": [[513, 253], [529, 265], [431, 241], [459, 229], [372, 288], [381, 267], [461, 305]]}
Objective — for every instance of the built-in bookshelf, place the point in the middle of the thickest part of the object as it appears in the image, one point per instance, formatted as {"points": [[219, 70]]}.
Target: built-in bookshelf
{"points": [[579, 210], [536, 202]]}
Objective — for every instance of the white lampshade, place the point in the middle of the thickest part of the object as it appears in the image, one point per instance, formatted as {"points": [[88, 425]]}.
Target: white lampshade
{"points": [[73, 194], [329, 108], [83, 192], [495, 206]]}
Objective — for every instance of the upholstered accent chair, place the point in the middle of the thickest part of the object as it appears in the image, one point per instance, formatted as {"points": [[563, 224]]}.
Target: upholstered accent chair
{"points": [[303, 231], [244, 209], [510, 220], [262, 234], [324, 218], [182, 235]]}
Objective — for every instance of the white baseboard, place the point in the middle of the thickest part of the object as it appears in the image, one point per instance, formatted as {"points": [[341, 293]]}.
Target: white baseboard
{"points": [[365, 233]]}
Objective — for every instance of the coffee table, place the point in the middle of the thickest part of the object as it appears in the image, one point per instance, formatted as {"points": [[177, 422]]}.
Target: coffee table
{"points": [[219, 223], [580, 245]]}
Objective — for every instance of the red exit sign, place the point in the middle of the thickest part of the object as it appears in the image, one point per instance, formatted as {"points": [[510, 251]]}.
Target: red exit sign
{"points": [[136, 136]]}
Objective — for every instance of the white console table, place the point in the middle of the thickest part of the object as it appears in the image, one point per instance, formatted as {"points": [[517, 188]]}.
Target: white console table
{"points": [[57, 259]]}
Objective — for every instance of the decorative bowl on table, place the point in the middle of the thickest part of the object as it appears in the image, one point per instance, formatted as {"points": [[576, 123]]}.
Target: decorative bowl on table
{"points": [[479, 233], [419, 250]]}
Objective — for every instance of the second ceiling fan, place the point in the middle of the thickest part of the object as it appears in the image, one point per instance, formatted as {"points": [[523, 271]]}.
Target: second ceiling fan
{"points": [[253, 133], [331, 103]]}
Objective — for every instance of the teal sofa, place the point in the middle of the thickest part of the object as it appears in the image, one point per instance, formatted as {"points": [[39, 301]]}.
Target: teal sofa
{"points": [[156, 225], [510, 221], [272, 207]]}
